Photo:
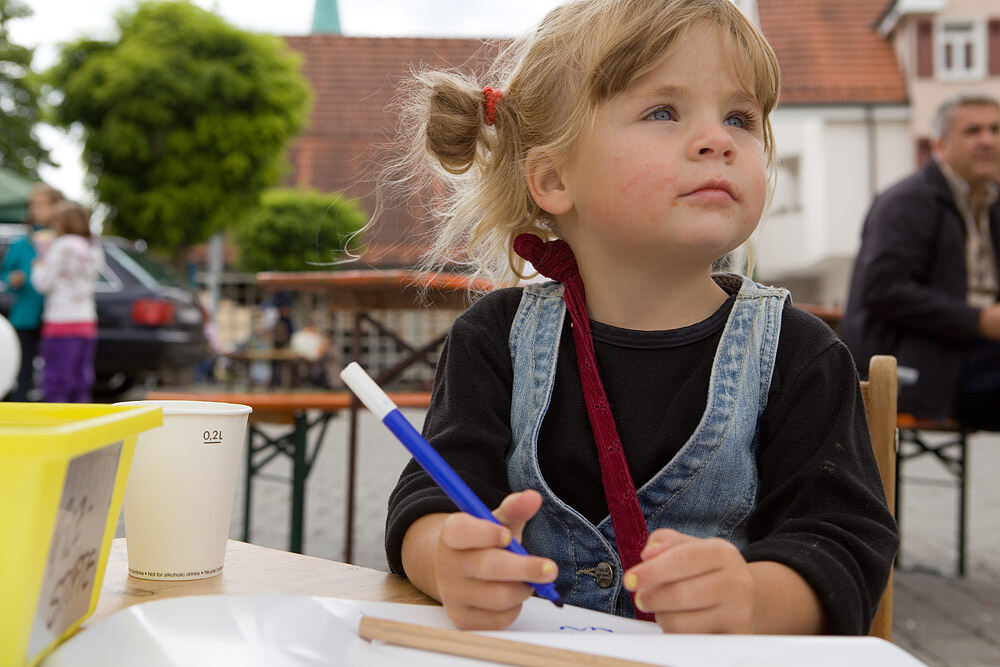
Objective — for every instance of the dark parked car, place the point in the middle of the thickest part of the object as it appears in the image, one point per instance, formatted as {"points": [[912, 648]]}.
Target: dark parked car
{"points": [[148, 321]]}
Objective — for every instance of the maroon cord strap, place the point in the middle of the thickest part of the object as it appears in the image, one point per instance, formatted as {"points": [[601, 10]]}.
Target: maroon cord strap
{"points": [[555, 260]]}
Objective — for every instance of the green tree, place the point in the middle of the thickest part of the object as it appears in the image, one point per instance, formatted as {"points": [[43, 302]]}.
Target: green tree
{"points": [[294, 230], [185, 119], [20, 150]]}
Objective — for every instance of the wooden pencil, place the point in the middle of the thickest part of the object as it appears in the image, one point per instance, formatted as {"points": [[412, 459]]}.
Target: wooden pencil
{"points": [[481, 647]]}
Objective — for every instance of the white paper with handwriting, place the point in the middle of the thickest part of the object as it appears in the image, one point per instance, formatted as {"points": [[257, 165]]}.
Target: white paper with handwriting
{"points": [[298, 631]]}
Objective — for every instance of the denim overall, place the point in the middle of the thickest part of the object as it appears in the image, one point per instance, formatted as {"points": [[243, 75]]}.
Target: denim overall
{"points": [[707, 490]]}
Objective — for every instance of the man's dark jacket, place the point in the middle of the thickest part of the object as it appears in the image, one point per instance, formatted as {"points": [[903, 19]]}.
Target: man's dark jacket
{"points": [[908, 291]]}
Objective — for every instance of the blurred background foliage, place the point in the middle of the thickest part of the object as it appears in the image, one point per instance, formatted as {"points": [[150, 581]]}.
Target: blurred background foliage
{"points": [[185, 120], [296, 230], [20, 92]]}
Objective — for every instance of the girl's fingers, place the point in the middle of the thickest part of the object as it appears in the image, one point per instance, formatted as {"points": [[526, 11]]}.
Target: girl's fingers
{"points": [[694, 585], [505, 566], [517, 509], [662, 540], [708, 604], [481, 584], [677, 559], [495, 596], [687, 595], [488, 563], [464, 531], [668, 563], [484, 588]]}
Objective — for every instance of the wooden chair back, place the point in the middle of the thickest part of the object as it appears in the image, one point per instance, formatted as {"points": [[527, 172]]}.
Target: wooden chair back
{"points": [[879, 391]]}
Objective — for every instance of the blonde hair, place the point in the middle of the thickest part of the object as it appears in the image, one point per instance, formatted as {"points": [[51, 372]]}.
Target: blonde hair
{"points": [[47, 191], [68, 217], [470, 176], [51, 195]]}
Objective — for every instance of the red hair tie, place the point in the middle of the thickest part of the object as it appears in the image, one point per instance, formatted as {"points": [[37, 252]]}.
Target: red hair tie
{"points": [[492, 99]]}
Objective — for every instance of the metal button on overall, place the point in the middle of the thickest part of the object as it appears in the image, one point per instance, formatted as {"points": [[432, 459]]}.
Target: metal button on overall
{"points": [[602, 573]]}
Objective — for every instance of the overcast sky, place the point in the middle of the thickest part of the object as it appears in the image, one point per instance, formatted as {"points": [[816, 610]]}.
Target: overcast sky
{"points": [[56, 21]]}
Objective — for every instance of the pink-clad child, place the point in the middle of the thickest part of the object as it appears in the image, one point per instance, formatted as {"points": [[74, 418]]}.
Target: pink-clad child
{"points": [[67, 274]]}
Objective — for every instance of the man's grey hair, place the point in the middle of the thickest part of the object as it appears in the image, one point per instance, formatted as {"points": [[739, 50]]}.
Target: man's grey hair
{"points": [[945, 114]]}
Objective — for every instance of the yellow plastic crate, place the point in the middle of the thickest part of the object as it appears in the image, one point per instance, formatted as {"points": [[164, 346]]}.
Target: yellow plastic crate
{"points": [[63, 470]]}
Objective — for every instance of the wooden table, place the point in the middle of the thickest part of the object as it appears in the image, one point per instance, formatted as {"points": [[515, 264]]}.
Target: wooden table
{"points": [[251, 570], [286, 364]]}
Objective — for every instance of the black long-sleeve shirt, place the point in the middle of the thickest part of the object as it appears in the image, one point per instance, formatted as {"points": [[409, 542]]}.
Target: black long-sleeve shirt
{"points": [[820, 509]]}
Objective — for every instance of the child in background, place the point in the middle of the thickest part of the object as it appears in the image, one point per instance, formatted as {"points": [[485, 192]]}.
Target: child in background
{"points": [[627, 146], [66, 274], [26, 310]]}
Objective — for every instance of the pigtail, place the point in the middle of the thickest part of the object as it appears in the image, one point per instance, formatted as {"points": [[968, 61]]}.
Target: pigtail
{"points": [[457, 159], [455, 120]]}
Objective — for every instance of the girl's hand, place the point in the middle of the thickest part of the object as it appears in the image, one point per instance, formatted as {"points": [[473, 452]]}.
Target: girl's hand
{"points": [[481, 584], [694, 585], [16, 278]]}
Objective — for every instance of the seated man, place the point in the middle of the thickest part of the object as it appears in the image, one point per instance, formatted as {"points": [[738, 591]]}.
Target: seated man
{"points": [[925, 280]]}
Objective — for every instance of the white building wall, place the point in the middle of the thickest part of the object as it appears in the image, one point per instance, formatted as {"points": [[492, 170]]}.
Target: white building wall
{"points": [[828, 174], [788, 231], [850, 184]]}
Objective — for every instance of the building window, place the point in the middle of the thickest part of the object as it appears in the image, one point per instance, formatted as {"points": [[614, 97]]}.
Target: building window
{"points": [[961, 49]]}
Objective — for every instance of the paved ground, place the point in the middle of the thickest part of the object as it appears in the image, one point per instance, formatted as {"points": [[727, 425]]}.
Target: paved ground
{"points": [[940, 619], [944, 620]]}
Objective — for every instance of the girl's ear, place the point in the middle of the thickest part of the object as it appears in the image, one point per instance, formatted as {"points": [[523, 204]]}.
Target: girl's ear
{"points": [[546, 185]]}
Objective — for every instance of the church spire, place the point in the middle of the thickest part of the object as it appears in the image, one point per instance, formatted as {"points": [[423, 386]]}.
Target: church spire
{"points": [[326, 18]]}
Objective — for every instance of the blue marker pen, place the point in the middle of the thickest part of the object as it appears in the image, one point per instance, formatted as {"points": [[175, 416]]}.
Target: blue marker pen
{"points": [[382, 406]]}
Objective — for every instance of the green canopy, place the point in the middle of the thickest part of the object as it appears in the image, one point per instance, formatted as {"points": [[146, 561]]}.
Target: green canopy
{"points": [[14, 191]]}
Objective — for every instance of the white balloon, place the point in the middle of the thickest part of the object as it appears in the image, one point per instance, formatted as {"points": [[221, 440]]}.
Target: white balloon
{"points": [[10, 356]]}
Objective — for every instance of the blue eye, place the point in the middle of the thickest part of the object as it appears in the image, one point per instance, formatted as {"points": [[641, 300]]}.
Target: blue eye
{"points": [[661, 113], [737, 120], [744, 120]]}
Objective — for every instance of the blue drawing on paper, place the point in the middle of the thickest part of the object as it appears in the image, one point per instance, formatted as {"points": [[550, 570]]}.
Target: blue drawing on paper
{"points": [[586, 628]]}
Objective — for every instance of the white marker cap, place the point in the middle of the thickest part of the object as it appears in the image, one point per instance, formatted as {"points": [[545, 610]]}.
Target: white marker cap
{"points": [[370, 393]]}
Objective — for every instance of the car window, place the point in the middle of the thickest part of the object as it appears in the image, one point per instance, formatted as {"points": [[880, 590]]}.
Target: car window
{"points": [[107, 279], [159, 272]]}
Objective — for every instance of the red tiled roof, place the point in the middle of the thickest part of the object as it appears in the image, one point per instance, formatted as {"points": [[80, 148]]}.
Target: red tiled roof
{"points": [[354, 80], [830, 53]]}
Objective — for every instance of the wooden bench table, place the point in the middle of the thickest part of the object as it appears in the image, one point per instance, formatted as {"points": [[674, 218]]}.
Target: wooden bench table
{"points": [[951, 452], [301, 442], [286, 365]]}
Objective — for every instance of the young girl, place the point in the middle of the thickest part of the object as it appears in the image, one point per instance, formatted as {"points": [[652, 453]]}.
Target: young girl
{"points": [[66, 275], [26, 310], [665, 442]]}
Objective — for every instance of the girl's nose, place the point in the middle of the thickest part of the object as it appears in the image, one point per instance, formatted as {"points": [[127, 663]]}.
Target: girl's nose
{"points": [[712, 141]]}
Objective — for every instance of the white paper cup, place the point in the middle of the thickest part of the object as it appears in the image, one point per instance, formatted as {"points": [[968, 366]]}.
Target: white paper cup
{"points": [[181, 489]]}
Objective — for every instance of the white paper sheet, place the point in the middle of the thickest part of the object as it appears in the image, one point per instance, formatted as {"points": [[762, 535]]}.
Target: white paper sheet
{"points": [[298, 631]]}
